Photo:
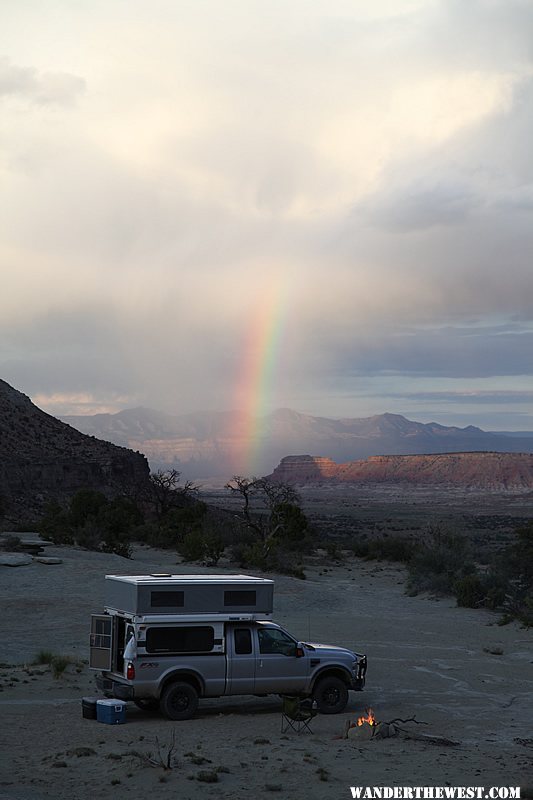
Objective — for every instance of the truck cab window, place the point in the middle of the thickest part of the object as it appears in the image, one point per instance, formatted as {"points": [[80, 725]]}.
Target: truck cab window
{"points": [[243, 641], [272, 640]]}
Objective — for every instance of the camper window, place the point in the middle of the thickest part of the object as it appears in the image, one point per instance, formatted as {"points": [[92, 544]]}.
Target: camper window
{"points": [[166, 599], [239, 598], [180, 640]]}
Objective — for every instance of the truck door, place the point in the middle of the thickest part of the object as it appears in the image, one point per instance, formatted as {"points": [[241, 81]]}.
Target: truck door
{"points": [[278, 669], [241, 660]]}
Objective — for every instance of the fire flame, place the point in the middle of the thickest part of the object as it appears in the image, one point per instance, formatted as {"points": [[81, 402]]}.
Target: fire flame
{"points": [[369, 719]]}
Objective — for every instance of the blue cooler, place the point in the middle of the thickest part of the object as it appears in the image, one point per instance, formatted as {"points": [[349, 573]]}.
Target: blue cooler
{"points": [[111, 712]]}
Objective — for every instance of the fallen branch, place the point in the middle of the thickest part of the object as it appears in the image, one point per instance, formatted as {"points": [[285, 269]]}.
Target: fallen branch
{"points": [[425, 737], [409, 719]]}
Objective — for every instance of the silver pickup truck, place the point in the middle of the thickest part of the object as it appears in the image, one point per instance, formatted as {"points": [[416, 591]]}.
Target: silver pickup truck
{"points": [[170, 660]]}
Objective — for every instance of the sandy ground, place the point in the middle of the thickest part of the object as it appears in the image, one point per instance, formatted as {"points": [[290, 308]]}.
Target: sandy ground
{"points": [[426, 658]]}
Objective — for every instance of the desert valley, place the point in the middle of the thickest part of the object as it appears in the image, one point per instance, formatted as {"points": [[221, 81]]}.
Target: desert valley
{"points": [[460, 678]]}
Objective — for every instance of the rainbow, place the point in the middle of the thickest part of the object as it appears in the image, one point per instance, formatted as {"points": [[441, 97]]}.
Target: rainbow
{"points": [[260, 368]]}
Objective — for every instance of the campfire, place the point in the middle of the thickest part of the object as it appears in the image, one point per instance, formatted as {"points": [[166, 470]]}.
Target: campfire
{"points": [[368, 720], [367, 727]]}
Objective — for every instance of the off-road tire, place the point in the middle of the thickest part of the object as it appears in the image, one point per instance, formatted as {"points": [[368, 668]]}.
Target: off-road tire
{"points": [[179, 701], [146, 704], [331, 695]]}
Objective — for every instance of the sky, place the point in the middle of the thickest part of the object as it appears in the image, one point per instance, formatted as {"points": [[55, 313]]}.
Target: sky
{"points": [[254, 204]]}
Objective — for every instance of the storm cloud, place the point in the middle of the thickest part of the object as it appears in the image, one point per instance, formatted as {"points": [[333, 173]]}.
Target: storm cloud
{"points": [[163, 168]]}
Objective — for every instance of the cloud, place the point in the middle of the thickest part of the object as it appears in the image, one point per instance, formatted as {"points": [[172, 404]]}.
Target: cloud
{"points": [[474, 397], [43, 89], [446, 352], [421, 206], [374, 164]]}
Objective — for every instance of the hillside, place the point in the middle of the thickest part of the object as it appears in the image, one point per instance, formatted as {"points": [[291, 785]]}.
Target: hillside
{"points": [[219, 443], [43, 458], [487, 471]]}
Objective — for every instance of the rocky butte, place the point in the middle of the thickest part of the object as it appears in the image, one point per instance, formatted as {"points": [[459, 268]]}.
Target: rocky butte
{"points": [[42, 458], [488, 471]]}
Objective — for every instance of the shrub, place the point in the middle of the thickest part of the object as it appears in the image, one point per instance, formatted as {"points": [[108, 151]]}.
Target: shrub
{"points": [[510, 581], [199, 546], [293, 526], [89, 535], [59, 665], [192, 546], [439, 561], [207, 776], [85, 503], [393, 548], [43, 657], [525, 615], [469, 591], [213, 549], [55, 524], [273, 558], [152, 534], [120, 515], [117, 545]]}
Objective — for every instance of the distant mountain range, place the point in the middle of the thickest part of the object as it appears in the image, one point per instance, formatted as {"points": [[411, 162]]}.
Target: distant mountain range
{"points": [[222, 443]]}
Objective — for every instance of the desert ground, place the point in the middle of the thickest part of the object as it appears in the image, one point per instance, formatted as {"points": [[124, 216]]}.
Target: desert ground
{"points": [[343, 511], [469, 679]]}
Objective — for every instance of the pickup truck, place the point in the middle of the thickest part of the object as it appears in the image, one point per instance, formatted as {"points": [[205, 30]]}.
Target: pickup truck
{"points": [[170, 666]]}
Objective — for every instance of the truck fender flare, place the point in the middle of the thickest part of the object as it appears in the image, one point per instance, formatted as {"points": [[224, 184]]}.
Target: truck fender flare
{"points": [[185, 675], [328, 671]]}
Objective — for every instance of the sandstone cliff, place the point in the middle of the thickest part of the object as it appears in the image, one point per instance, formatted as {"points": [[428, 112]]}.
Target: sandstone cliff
{"points": [[488, 471], [42, 458]]}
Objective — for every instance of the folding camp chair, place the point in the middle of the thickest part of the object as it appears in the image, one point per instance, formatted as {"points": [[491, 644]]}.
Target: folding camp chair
{"points": [[297, 713]]}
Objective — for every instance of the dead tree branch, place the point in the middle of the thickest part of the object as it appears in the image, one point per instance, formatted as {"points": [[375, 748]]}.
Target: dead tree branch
{"points": [[409, 719], [165, 753]]}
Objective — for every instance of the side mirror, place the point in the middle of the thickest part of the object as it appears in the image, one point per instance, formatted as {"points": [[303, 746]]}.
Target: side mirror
{"points": [[299, 651]]}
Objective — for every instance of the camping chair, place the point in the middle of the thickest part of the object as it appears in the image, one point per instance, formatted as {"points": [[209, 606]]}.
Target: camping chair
{"points": [[297, 713]]}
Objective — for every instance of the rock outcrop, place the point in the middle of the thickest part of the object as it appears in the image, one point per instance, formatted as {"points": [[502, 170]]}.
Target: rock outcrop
{"points": [[42, 458], [487, 471]]}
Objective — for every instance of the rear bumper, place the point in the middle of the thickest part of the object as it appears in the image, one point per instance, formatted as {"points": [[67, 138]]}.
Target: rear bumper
{"points": [[112, 688], [358, 681]]}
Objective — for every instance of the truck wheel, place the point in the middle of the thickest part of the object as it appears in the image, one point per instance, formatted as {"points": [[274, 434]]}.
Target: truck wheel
{"points": [[179, 701], [331, 695], [146, 704]]}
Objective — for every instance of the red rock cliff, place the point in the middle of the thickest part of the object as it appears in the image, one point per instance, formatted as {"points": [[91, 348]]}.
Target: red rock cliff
{"points": [[491, 471]]}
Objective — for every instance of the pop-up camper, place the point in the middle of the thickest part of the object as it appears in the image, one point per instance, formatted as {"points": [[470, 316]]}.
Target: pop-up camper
{"points": [[166, 640]]}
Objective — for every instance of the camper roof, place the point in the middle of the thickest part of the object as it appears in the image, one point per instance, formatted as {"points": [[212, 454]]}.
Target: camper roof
{"points": [[167, 578]]}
